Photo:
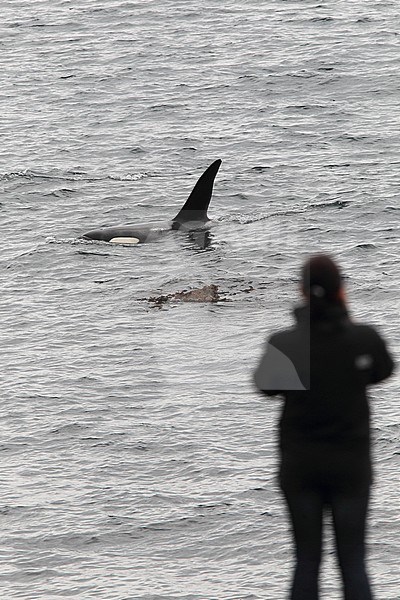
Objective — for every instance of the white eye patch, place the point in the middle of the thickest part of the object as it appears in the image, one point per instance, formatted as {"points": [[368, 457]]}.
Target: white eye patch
{"points": [[125, 240]]}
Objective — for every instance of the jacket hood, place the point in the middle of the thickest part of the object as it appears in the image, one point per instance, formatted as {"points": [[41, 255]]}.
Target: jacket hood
{"points": [[333, 317]]}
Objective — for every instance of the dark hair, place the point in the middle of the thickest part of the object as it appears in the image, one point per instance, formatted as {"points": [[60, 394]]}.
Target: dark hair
{"points": [[321, 282]]}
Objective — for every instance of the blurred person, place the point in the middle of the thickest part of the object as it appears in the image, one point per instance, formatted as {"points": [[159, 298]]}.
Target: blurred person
{"points": [[322, 367]]}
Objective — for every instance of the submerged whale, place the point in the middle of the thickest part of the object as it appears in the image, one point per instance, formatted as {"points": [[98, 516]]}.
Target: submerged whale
{"points": [[192, 216]]}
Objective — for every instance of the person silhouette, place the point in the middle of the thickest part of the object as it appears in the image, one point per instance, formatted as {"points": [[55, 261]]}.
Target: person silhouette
{"points": [[322, 368]]}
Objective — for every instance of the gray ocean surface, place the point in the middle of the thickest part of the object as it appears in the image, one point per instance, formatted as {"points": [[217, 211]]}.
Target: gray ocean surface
{"points": [[137, 460]]}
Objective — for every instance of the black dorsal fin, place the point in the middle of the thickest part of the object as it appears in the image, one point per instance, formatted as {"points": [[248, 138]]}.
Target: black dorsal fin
{"points": [[195, 207]]}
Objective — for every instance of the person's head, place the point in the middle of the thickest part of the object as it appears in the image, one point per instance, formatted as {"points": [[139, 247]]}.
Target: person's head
{"points": [[321, 283]]}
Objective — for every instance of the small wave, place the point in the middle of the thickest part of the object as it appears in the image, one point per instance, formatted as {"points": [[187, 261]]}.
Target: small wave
{"points": [[260, 168], [69, 176], [388, 433], [91, 253], [173, 524], [29, 174], [61, 193], [249, 77], [70, 241], [69, 428], [303, 73], [331, 204], [26, 174], [305, 106], [161, 107], [350, 137], [337, 165], [243, 219], [364, 20], [128, 177], [321, 20], [240, 196], [137, 150], [366, 246]]}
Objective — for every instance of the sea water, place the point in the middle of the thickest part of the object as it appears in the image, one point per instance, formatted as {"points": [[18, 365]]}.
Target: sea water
{"points": [[138, 462]]}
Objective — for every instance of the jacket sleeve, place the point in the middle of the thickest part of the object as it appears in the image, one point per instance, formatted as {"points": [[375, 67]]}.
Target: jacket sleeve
{"points": [[383, 364], [276, 373]]}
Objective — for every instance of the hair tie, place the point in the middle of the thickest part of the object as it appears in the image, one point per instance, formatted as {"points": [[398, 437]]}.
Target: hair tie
{"points": [[317, 291]]}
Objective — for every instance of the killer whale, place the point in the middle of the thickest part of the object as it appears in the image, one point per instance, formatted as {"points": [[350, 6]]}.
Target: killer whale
{"points": [[192, 216]]}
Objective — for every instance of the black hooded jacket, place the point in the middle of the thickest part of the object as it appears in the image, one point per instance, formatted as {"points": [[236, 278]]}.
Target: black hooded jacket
{"points": [[322, 367]]}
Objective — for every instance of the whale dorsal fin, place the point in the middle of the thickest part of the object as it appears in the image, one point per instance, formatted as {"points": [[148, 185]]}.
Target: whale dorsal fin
{"points": [[195, 207]]}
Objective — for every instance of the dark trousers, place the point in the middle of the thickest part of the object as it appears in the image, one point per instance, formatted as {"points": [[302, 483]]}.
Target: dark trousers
{"points": [[349, 511]]}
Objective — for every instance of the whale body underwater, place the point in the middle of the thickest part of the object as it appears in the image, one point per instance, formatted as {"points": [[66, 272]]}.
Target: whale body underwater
{"points": [[191, 217]]}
